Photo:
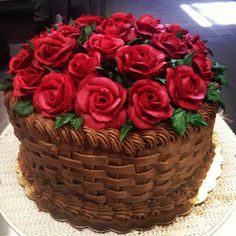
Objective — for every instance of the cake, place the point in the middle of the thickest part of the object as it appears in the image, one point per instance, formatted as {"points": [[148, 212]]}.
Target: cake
{"points": [[115, 118]]}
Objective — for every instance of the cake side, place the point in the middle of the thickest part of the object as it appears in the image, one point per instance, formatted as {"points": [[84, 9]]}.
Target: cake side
{"points": [[95, 186]]}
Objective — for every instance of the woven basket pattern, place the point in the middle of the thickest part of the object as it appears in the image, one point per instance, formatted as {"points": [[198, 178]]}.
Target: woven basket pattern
{"points": [[92, 179]]}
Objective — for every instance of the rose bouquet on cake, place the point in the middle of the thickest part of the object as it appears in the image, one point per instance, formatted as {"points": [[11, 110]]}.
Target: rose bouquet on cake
{"points": [[116, 72]]}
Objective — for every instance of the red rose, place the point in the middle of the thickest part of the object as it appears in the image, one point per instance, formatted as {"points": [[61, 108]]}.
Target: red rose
{"points": [[100, 101], [104, 44], [148, 25], [175, 28], [21, 61], [202, 65], [55, 50], [54, 96], [118, 25], [196, 44], [149, 104], [186, 88], [68, 31], [88, 20], [170, 44], [140, 62], [83, 64], [26, 81]]}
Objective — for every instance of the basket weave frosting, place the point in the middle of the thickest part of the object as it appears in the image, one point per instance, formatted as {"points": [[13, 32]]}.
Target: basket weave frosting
{"points": [[91, 179]]}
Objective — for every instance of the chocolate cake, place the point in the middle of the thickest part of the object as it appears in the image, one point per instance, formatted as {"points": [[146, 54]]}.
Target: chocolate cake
{"points": [[115, 137]]}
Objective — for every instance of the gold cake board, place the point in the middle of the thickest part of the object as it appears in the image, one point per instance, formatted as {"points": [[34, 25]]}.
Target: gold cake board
{"points": [[25, 218]]}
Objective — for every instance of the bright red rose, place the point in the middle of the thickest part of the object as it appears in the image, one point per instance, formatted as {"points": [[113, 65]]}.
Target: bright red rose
{"points": [[100, 101], [195, 43], [26, 81], [68, 31], [148, 25], [140, 62], [186, 88], [21, 61], [175, 28], [83, 64], [104, 44], [202, 65], [54, 96], [88, 20], [170, 44], [54, 50], [118, 25], [149, 104]]}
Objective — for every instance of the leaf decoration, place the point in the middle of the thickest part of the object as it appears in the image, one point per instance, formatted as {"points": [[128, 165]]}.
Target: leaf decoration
{"points": [[6, 83], [180, 34], [31, 45], [219, 71], [179, 121], [85, 33], [161, 80], [187, 60], [48, 30], [72, 23], [69, 118], [23, 108], [125, 129], [181, 118], [214, 95]]}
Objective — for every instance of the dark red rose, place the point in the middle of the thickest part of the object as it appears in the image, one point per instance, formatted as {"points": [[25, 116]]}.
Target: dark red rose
{"points": [[54, 50], [100, 101], [54, 96], [104, 44], [21, 61], [119, 25], [170, 44], [186, 88], [148, 25], [88, 20], [175, 28], [202, 65], [26, 81], [83, 64], [68, 31], [195, 43], [149, 104], [141, 62]]}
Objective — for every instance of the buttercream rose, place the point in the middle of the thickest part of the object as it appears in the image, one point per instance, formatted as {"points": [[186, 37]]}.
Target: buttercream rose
{"points": [[54, 96], [88, 20], [170, 44], [26, 81], [68, 31], [149, 104], [186, 88], [196, 44], [100, 101], [140, 62], [20, 61], [119, 25], [202, 65], [54, 50], [175, 28], [104, 44], [148, 25], [83, 64]]}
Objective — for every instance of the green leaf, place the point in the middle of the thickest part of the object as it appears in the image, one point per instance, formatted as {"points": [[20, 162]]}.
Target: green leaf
{"points": [[48, 30], [135, 41], [76, 122], [64, 119], [23, 108], [188, 59], [195, 119], [85, 33], [125, 129], [31, 45], [214, 95], [180, 34], [119, 79], [218, 67], [105, 63], [174, 63], [6, 83], [56, 27], [72, 23], [161, 80], [179, 121], [50, 69], [221, 78]]}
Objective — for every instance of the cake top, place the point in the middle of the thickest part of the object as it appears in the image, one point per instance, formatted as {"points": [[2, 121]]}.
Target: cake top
{"points": [[116, 72]]}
